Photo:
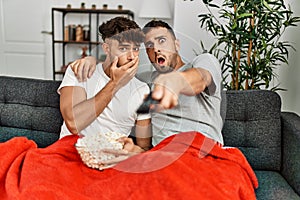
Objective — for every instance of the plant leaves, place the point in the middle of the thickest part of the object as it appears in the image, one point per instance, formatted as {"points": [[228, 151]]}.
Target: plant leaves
{"points": [[248, 52]]}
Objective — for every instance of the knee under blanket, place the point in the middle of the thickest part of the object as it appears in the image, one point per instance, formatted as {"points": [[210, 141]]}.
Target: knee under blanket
{"points": [[185, 166]]}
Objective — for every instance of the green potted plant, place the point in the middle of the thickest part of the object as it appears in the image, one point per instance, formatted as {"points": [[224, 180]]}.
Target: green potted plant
{"points": [[249, 39]]}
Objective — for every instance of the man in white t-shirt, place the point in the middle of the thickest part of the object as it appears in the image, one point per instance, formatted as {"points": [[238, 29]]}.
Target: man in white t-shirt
{"points": [[108, 100]]}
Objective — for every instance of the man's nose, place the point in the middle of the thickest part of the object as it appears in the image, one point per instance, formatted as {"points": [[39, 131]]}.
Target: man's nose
{"points": [[156, 48], [130, 54]]}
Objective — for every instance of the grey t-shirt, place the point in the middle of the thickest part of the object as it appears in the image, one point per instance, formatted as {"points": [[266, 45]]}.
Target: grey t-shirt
{"points": [[194, 113]]}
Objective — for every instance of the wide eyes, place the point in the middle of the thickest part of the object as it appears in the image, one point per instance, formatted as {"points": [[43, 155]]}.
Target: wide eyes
{"points": [[161, 40], [127, 49], [149, 45]]}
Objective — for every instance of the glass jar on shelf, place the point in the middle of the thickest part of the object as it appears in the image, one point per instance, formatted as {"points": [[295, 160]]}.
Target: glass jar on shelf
{"points": [[86, 33]]}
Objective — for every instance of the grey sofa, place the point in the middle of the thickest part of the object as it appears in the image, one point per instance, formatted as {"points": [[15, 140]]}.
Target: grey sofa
{"points": [[269, 138], [29, 107]]}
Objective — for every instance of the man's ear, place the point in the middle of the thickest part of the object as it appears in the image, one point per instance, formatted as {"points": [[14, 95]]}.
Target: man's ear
{"points": [[105, 48], [177, 45]]}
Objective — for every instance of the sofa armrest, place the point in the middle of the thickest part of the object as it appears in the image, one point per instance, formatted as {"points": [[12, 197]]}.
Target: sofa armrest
{"points": [[291, 149]]}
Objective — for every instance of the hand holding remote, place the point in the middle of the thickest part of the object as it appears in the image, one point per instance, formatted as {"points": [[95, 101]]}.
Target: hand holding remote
{"points": [[145, 107]]}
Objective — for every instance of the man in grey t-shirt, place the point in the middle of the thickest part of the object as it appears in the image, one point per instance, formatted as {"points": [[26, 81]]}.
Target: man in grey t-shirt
{"points": [[189, 93]]}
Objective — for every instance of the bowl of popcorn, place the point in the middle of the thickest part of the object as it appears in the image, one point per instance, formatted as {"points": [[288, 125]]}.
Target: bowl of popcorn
{"points": [[90, 148]]}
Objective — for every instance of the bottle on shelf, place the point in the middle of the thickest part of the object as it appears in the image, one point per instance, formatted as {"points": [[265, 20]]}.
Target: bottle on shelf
{"points": [[79, 33], [72, 32], [86, 33], [66, 36]]}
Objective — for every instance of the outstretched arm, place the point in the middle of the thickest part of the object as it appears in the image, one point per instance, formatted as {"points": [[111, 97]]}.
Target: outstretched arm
{"points": [[168, 86]]}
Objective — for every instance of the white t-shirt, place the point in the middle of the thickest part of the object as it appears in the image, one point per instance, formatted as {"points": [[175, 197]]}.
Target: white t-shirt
{"points": [[120, 114]]}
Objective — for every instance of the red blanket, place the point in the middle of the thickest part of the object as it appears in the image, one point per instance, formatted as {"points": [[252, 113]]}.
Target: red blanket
{"points": [[185, 166]]}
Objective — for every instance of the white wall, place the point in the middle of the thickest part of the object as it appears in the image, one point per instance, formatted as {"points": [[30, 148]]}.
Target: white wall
{"points": [[188, 29], [289, 75]]}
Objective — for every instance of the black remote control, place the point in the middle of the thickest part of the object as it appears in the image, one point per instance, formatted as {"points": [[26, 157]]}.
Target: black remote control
{"points": [[145, 106]]}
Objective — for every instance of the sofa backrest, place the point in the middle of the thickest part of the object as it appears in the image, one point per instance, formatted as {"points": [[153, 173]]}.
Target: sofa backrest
{"points": [[252, 123], [29, 107]]}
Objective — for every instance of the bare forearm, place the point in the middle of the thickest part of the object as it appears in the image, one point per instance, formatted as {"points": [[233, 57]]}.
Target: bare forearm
{"points": [[85, 112], [143, 133]]}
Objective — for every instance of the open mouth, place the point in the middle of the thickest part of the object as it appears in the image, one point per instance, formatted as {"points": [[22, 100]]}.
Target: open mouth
{"points": [[161, 60]]}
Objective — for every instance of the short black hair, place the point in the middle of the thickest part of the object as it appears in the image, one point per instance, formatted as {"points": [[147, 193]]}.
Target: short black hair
{"points": [[121, 29], [158, 23]]}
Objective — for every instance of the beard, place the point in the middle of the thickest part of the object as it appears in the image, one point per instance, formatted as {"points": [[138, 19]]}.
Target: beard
{"points": [[162, 69]]}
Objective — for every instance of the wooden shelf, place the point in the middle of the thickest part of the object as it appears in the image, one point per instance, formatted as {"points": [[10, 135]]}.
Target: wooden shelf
{"points": [[59, 72], [90, 10], [76, 42]]}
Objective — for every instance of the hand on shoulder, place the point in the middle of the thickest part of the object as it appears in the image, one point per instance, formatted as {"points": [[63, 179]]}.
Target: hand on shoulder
{"points": [[84, 68]]}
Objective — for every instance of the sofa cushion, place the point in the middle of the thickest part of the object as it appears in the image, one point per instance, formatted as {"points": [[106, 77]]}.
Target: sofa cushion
{"points": [[41, 138], [29, 106], [253, 125], [275, 185]]}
